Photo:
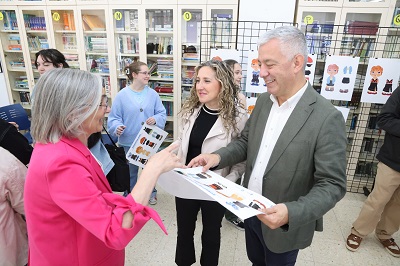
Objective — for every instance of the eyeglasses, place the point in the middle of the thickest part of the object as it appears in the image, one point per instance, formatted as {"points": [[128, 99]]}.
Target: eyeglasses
{"points": [[144, 73], [104, 105]]}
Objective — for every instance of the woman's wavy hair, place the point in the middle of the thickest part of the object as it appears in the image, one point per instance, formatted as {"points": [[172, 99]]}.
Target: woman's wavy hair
{"points": [[228, 97]]}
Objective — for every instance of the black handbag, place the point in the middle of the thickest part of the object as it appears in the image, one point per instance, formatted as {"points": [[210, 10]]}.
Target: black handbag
{"points": [[118, 177]]}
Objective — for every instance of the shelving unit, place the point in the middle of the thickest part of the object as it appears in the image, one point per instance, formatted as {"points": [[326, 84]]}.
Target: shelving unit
{"points": [[353, 28], [103, 36]]}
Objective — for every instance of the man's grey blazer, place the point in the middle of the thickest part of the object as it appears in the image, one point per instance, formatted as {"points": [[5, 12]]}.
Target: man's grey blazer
{"points": [[306, 170]]}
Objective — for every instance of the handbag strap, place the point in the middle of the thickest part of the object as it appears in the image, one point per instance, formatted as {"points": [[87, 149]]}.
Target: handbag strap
{"points": [[5, 132], [109, 136]]}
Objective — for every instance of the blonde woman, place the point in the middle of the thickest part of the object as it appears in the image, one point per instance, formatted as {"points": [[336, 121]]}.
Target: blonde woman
{"points": [[211, 117]]}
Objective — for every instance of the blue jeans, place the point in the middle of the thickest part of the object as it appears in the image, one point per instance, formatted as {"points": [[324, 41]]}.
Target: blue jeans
{"points": [[133, 174]]}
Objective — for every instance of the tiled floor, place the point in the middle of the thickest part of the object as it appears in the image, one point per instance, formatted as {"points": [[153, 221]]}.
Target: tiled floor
{"points": [[151, 247]]}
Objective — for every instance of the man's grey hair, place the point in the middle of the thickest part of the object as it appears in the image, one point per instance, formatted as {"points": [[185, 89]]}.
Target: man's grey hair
{"points": [[292, 40], [64, 98]]}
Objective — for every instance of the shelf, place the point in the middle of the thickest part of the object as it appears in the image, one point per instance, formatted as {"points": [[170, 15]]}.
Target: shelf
{"points": [[10, 31], [13, 51], [127, 32], [158, 33], [191, 63], [17, 69], [24, 90], [65, 31], [160, 55], [161, 79], [89, 32], [128, 54]]}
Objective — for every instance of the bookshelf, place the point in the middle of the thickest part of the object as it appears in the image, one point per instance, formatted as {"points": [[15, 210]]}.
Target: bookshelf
{"points": [[102, 36], [95, 55], [63, 26], [13, 58]]}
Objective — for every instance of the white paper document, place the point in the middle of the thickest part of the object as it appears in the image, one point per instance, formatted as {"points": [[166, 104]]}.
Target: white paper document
{"points": [[192, 183], [146, 144]]}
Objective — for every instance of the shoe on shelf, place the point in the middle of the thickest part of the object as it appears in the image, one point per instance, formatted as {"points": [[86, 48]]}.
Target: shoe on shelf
{"points": [[153, 201], [353, 242], [390, 246], [236, 222]]}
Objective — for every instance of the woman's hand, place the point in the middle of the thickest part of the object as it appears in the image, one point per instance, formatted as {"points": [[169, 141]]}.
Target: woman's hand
{"points": [[151, 121], [159, 163], [120, 130], [166, 159]]}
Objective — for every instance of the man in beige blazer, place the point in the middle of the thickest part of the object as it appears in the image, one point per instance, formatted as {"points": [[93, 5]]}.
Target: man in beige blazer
{"points": [[295, 146]]}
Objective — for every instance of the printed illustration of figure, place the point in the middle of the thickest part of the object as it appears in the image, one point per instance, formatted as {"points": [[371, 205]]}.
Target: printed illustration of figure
{"points": [[308, 65], [346, 78], [332, 70], [256, 72], [156, 135], [140, 150], [387, 90], [376, 71], [148, 130], [255, 204], [147, 142]]}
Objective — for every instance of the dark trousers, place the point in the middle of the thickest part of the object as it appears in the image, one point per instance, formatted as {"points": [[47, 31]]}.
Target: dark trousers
{"points": [[186, 213], [257, 250]]}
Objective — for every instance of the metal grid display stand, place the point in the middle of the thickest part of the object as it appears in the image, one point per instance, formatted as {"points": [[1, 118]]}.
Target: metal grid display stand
{"points": [[364, 137]]}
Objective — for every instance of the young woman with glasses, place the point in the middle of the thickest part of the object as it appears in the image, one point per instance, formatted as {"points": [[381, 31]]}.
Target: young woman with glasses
{"points": [[133, 106]]}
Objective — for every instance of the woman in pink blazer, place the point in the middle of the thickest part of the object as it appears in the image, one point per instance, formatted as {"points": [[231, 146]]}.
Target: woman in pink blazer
{"points": [[72, 215]]}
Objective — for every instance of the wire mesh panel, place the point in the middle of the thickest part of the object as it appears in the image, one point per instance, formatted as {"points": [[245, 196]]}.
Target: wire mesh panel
{"points": [[227, 34], [366, 40]]}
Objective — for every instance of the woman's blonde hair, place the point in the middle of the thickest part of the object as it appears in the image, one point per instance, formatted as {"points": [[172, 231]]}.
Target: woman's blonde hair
{"points": [[64, 98], [227, 98]]}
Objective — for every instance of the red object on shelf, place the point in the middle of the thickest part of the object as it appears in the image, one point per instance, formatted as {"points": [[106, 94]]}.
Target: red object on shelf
{"points": [[163, 89], [362, 28]]}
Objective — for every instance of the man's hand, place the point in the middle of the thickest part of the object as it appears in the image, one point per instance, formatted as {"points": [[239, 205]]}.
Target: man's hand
{"points": [[206, 160], [275, 217]]}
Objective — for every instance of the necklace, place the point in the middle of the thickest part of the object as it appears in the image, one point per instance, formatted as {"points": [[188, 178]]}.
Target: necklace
{"points": [[210, 111]]}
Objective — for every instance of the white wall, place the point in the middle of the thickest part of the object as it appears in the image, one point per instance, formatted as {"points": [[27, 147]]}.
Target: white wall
{"points": [[267, 10]]}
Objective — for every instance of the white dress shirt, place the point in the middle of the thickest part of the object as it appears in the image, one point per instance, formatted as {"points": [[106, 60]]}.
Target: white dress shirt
{"points": [[275, 123]]}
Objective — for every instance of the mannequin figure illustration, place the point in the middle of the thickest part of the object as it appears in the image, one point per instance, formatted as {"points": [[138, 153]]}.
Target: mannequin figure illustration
{"points": [[376, 71], [332, 70], [256, 72], [387, 90]]}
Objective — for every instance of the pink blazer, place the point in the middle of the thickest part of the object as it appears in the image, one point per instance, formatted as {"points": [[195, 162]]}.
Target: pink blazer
{"points": [[72, 215]]}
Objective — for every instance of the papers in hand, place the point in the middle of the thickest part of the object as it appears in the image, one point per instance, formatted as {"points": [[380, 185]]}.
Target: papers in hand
{"points": [[192, 183], [146, 144]]}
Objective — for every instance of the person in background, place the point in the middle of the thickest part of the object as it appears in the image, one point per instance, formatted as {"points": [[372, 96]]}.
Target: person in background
{"points": [[133, 106], [211, 117], [48, 59], [381, 210], [95, 145], [294, 144], [15, 142], [237, 73], [67, 196], [13, 233]]}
